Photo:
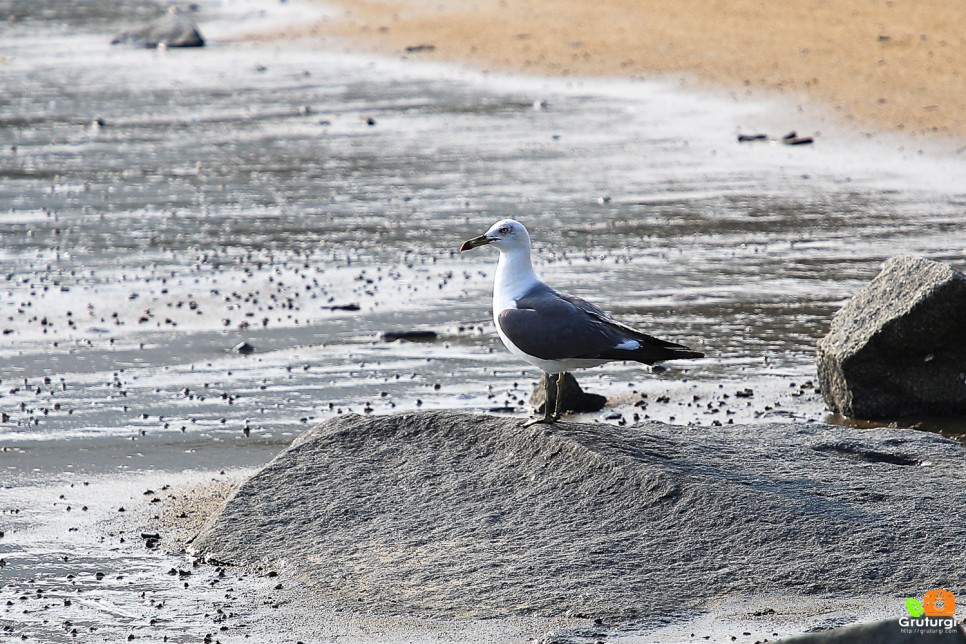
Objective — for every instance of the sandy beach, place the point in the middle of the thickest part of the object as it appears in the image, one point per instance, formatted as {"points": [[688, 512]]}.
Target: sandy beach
{"points": [[879, 65]]}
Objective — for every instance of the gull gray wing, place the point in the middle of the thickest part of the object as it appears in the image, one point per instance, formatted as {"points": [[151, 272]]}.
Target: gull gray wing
{"points": [[556, 326]]}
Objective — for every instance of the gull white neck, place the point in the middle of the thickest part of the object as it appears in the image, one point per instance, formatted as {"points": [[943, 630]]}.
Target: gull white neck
{"points": [[514, 278]]}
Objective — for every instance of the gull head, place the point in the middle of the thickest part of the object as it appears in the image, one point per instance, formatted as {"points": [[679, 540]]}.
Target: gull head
{"points": [[507, 235]]}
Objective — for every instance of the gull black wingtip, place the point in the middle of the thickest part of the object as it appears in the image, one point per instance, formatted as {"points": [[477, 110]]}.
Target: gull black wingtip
{"points": [[470, 244]]}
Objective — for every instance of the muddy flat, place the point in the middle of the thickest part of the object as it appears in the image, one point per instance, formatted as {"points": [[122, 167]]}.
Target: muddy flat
{"points": [[163, 207]]}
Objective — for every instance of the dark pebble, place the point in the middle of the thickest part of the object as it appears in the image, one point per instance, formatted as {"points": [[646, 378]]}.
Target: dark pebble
{"points": [[415, 49], [409, 336]]}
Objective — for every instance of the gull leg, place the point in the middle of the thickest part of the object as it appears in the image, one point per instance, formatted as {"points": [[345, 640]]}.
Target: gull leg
{"points": [[558, 408], [549, 415]]}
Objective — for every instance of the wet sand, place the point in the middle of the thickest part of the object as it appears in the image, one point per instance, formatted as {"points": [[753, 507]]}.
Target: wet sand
{"points": [[110, 369], [892, 66]]}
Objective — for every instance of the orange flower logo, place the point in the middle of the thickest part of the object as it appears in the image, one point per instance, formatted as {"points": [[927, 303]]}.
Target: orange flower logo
{"points": [[939, 603]]}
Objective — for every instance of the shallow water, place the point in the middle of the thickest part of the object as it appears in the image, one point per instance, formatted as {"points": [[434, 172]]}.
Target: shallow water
{"points": [[248, 193]]}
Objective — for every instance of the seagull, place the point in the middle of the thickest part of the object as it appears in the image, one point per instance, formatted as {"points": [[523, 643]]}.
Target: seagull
{"points": [[554, 331]]}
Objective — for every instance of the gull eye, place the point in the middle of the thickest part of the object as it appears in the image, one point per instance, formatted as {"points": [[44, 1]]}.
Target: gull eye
{"points": [[504, 230]]}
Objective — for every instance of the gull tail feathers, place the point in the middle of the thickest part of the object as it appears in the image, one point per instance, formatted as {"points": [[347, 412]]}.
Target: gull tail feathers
{"points": [[652, 350]]}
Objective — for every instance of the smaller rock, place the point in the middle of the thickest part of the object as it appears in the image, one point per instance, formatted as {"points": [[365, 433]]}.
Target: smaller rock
{"points": [[896, 349], [575, 399], [171, 30]]}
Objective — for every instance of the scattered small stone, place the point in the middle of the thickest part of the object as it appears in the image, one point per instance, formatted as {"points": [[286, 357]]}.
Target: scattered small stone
{"points": [[791, 138], [409, 336], [417, 49]]}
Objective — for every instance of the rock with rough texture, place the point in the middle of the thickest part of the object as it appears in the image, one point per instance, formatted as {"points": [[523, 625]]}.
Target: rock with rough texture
{"points": [[451, 514], [174, 29], [883, 632], [575, 399], [897, 349]]}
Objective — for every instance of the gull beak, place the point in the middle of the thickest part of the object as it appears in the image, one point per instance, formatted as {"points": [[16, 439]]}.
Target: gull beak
{"points": [[470, 244]]}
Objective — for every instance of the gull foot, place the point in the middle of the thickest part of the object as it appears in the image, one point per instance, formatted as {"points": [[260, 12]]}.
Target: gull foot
{"points": [[547, 420]]}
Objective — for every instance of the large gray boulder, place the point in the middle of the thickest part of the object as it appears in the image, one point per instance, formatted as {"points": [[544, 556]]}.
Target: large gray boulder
{"points": [[174, 29], [445, 514], [898, 347]]}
